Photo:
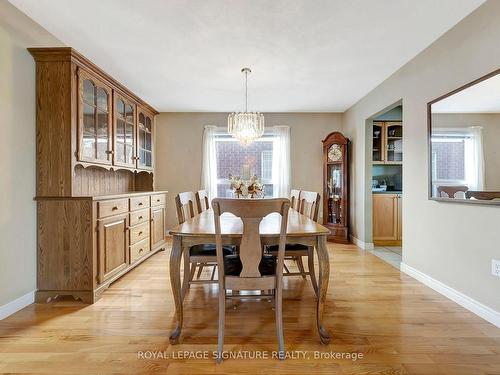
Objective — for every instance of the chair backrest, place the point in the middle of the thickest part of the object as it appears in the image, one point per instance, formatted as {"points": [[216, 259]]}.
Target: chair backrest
{"points": [[483, 195], [309, 204], [450, 191], [295, 199], [184, 203], [202, 201], [251, 212]]}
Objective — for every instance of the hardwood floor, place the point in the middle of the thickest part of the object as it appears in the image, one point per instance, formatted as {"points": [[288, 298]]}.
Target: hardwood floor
{"points": [[399, 325]]}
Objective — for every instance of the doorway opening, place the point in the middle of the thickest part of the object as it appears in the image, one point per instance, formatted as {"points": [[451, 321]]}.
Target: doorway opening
{"points": [[384, 171]]}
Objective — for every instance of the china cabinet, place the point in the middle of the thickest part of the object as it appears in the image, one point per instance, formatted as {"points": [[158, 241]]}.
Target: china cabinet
{"points": [[335, 186], [387, 142], [98, 215]]}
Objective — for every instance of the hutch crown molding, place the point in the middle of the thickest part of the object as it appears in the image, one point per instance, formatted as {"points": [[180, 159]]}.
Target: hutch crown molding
{"points": [[98, 214]]}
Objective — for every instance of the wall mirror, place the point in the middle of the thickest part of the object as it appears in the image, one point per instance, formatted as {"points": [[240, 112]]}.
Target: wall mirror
{"points": [[464, 143]]}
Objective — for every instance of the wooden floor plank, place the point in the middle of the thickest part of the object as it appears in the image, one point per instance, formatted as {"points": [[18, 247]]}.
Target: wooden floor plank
{"points": [[399, 325]]}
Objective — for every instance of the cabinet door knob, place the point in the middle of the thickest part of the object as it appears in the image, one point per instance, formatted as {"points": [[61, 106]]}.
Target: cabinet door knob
{"points": [[114, 208], [109, 152], [140, 217], [140, 233], [140, 203]]}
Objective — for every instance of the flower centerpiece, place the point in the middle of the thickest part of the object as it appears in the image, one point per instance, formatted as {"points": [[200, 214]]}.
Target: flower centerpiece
{"points": [[237, 186], [252, 188], [255, 188]]}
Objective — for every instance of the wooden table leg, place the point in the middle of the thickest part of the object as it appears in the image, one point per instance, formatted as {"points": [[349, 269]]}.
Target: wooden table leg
{"points": [[187, 272], [324, 278], [175, 281]]}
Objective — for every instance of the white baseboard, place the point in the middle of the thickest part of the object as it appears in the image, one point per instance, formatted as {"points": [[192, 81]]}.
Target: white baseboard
{"points": [[16, 305], [470, 304], [361, 244]]}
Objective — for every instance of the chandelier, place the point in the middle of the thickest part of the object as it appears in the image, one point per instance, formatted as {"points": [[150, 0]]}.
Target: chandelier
{"points": [[246, 126]]}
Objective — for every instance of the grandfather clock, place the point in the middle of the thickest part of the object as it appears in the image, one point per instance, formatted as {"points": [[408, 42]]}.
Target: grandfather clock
{"points": [[335, 187]]}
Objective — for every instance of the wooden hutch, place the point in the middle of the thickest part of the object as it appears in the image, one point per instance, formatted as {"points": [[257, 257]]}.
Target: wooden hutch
{"points": [[98, 215]]}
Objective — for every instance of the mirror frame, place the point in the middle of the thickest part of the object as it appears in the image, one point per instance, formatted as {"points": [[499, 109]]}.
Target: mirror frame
{"points": [[429, 145]]}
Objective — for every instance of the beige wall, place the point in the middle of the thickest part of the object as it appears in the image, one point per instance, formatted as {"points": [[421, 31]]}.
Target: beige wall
{"points": [[17, 151], [453, 243], [490, 122], [178, 162]]}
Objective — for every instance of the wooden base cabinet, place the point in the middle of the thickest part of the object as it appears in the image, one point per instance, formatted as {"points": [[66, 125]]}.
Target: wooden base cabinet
{"points": [[86, 243], [387, 221], [112, 246]]}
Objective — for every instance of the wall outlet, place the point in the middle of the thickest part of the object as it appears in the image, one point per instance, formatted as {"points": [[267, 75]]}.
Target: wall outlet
{"points": [[495, 267]]}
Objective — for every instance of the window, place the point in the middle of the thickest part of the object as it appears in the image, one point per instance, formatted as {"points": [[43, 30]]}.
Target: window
{"points": [[457, 158], [448, 163], [268, 158], [266, 163], [238, 160]]}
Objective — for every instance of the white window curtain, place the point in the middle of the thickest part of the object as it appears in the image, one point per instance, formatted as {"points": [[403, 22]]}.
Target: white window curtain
{"points": [[281, 161], [474, 159], [209, 167]]}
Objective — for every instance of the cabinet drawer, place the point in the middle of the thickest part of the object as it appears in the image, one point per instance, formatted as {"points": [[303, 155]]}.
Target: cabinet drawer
{"points": [[138, 203], [139, 249], [139, 232], [158, 200], [112, 207], [141, 216]]}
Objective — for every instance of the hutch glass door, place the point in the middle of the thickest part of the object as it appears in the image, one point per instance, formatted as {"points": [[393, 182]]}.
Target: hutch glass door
{"points": [[145, 149], [95, 121], [378, 143], [124, 133], [394, 142]]}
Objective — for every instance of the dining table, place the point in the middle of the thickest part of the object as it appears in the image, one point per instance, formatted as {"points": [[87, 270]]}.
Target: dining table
{"points": [[200, 229]]}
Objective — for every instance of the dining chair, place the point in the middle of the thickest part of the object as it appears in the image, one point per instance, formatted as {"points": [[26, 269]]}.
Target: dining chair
{"points": [[450, 191], [482, 195], [294, 199], [309, 203], [202, 202], [251, 269], [198, 255]]}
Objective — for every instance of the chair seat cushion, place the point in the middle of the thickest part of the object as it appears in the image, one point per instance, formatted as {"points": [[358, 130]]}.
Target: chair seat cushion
{"points": [[209, 250], [290, 247], [233, 266]]}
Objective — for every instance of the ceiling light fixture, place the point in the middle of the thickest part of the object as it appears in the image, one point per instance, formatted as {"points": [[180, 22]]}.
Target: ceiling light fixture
{"points": [[246, 126]]}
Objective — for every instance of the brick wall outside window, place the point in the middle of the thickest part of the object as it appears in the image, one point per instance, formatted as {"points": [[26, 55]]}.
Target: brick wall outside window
{"points": [[449, 160], [231, 156]]}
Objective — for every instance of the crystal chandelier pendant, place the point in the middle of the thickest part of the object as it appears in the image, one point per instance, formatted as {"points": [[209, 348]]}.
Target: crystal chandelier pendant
{"points": [[246, 126]]}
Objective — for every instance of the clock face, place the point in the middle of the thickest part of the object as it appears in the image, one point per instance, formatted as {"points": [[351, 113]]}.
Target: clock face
{"points": [[335, 152]]}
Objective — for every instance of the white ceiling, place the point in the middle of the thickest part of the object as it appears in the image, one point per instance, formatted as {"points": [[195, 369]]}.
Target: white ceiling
{"points": [[481, 98], [186, 55]]}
